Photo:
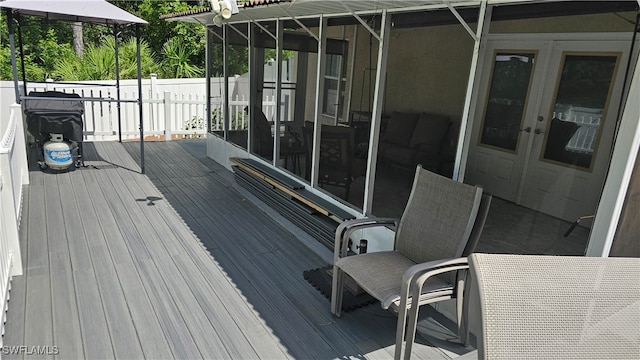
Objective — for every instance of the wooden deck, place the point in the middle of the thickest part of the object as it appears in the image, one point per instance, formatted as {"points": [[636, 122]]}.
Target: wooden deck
{"points": [[177, 263]]}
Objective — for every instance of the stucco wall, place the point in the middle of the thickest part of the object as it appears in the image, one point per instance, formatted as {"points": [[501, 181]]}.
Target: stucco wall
{"points": [[424, 72], [621, 22], [428, 67]]}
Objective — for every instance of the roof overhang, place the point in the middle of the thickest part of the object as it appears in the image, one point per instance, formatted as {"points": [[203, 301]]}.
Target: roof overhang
{"points": [[407, 13], [90, 11]]}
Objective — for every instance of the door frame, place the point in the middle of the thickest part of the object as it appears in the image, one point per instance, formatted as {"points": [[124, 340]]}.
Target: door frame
{"points": [[595, 175], [533, 100], [626, 144]]}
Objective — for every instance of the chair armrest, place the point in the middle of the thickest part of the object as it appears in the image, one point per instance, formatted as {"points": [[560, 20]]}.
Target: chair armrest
{"points": [[420, 273], [346, 228]]}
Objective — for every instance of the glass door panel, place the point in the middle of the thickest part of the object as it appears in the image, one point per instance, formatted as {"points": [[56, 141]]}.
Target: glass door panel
{"points": [[571, 147], [506, 101], [503, 130], [581, 100]]}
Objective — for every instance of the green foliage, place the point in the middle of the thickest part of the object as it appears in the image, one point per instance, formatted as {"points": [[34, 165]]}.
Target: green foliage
{"points": [[49, 52], [159, 31], [43, 41], [169, 48], [176, 61], [5, 63], [99, 62]]}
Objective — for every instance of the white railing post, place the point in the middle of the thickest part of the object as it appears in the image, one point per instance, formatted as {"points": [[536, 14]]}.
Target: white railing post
{"points": [[20, 147], [167, 116]]}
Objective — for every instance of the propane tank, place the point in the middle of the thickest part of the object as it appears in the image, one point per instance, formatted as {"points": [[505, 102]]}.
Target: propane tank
{"points": [[57, 153]]}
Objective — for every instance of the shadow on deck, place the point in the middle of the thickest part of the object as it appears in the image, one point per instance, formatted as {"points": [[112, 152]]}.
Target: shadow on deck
{"points": [[175, 264]]}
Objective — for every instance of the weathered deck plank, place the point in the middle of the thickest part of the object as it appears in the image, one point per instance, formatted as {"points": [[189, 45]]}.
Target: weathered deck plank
{"points": [[147, 327], [174, 264]]}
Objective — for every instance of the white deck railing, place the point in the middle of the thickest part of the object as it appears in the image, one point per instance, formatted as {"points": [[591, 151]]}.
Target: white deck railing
{"points": [[14, 174], [176, 109], [588, 120]]}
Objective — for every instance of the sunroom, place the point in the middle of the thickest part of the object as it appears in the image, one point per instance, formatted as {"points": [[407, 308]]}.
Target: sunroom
{"points": [[525, 98]]}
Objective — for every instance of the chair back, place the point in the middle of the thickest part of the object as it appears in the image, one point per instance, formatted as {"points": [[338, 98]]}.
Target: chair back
{"points": [[262, 139], [438, 219], [336, 154], [478, 226], [556, 307]]}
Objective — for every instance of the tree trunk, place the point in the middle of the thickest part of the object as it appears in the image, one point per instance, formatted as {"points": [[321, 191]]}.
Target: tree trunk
{"points": [[78, 42]]}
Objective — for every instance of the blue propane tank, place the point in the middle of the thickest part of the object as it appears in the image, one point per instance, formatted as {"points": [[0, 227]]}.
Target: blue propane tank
{"points": [[57, 153]]}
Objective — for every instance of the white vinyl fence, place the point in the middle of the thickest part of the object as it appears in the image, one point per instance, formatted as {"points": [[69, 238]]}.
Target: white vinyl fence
{"points": [[172, 108], [14, 173]]}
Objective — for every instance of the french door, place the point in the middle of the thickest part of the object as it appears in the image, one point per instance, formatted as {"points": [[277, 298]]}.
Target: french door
{"points": [[545, 123]]}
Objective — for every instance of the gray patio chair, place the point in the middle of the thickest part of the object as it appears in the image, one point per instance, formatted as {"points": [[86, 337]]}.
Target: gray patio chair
{"points": [[556, 307], [441, 222]]}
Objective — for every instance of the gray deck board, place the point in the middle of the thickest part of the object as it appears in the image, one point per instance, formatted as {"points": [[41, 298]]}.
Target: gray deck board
{"points": [[176, 263], [149, 333], [121, 329]]}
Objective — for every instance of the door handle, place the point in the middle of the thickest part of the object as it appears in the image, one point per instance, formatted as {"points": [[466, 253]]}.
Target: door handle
{"points": [[538, 131], [527, 129]]}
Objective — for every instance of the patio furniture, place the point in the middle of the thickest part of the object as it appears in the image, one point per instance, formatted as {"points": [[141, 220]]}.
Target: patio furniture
{"points": [[262, 138], [337, 165], [442, 221], [410, 139], [556, 307]]}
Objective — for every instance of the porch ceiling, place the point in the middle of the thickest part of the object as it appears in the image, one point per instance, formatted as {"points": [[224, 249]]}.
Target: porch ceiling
{"points": [[408, 13], [301, 9]]}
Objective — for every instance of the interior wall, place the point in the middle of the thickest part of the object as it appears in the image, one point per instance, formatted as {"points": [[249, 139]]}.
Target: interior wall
{"points": [[424, 73], [611, 22], [428, 70]]}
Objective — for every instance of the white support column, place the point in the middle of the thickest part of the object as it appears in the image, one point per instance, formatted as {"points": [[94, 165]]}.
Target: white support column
{"points": [[278, 99], [352, 68], [621, 168], [465, 127], [225, 100], [167, 116], [253, 87], [376, 116], [322, 63]]}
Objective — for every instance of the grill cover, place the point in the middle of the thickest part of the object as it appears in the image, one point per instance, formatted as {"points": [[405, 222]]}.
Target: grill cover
{"points": [[54, 116]]}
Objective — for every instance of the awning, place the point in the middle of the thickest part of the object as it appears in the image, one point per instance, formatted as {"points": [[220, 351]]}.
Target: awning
{"points": [[407, 13], [92, 11]]}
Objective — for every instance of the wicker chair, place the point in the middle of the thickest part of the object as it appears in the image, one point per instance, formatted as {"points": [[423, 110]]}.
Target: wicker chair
{"points": [[556, 307], [441, 222]]}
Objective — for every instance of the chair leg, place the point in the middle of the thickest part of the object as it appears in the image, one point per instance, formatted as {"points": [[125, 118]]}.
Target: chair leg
{"points": [[412, 325], [402, 320], [337, 289], [462, 309]]}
